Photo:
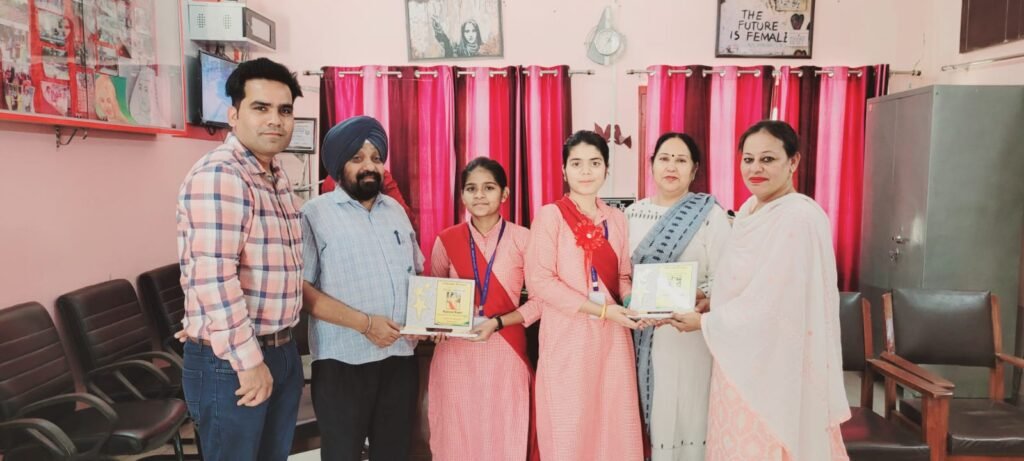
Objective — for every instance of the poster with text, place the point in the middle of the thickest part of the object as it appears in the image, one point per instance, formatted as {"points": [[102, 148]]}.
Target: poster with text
{"points": [[765, 28]]}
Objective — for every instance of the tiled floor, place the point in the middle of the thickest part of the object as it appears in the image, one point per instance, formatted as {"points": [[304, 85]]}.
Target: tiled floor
{"points": [[852, 381]]}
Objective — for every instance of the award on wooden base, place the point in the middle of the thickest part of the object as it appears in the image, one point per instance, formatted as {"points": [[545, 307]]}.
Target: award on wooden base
{"points": [[659, 290], [440, 305]]}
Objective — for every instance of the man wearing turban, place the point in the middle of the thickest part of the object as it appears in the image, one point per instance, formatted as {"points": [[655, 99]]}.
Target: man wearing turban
{"points": [[360, 251]]}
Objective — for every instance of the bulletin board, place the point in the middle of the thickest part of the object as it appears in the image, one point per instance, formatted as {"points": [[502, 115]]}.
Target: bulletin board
{"points": [[765, 28], [104, 64]]}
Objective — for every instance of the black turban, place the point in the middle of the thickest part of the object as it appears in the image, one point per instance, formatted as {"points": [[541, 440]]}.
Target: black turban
{"points": [[345, 139]]}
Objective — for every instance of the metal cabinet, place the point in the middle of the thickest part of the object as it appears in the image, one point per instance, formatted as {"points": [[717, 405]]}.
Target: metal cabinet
{"points": [[944, 199]]}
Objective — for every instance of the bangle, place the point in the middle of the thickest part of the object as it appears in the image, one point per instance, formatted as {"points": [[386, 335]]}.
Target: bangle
{"points": [[369, 323], [501, 324], [604, 310]]}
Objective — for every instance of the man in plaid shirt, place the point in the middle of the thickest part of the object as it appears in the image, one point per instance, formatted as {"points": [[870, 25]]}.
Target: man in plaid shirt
{"points": [[240, 249]]}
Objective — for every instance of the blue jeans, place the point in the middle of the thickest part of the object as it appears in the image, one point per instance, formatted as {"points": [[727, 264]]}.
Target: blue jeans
{"points": [[230, 432]]}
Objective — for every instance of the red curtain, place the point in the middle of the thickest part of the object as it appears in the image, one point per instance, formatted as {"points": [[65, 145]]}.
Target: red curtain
{"points": [[547, 122], [341, 97], [753, 104], [421, 133], [825, 106], [740, 97], [795, 101], [677, 100], [486, 121], [438, 121], [666, 106], [851, 182]]}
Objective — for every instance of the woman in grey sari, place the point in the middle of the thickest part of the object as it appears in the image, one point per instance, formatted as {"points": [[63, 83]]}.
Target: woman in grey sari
{"points": [[673, 368]]}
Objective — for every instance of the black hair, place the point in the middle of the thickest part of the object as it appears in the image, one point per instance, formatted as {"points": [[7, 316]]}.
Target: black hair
{"points": [[585, 137], [685, 138], [777, 129], [255, 69], [488, 164]]}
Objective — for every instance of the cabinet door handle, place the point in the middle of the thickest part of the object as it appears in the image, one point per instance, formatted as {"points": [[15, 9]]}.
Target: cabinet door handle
{"points": [[894, 254], [900, 239]]}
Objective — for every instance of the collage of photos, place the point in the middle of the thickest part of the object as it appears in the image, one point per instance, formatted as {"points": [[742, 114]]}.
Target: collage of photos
{"points": [[16, 84], [91, 59]]}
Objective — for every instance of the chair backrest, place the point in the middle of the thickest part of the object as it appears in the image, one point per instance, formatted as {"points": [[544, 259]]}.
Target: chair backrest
{"points": [[851, 324], [941, 327], [105, 323], [33, 366], [301, 333], [161, 294]]}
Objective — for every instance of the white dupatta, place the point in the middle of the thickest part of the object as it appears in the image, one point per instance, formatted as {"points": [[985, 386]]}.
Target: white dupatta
{"points": [[773, 329]]}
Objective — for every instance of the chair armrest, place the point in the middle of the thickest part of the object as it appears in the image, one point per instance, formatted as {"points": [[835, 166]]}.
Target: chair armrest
{"points": [[1011, 360], [173, 359], [116, 368], [917, 370], [169, 346], [91, 400], [46, 433], [909, 380]]}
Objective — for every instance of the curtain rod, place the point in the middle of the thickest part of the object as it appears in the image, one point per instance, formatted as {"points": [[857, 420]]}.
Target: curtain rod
{"points": [[342, 73], [706, 72], [967, 65]]}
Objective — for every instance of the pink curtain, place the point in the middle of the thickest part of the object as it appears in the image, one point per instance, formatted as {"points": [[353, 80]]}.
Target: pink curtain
{"points": [[840, 161], [666, 111], [486, 125], [722, 165], [420, 133], [738, 100], [786, 96], [547, 122]]}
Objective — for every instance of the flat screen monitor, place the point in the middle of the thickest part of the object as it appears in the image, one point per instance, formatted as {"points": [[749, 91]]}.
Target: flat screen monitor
{"points": [[213, 74]]}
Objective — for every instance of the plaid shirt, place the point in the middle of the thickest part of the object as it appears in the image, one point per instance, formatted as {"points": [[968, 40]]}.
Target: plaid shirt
{"points": [[240, 251]]}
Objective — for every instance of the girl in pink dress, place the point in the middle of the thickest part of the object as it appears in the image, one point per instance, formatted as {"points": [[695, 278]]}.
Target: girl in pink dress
{"points": [[578, 265], [479, 391], [773, 329]]}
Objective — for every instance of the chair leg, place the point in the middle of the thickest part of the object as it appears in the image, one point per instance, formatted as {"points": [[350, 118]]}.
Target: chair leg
{"points": [[179, 451]]}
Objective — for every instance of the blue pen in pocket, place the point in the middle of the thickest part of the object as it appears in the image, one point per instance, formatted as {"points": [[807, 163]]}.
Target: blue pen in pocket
{"points": [[398, 238]]}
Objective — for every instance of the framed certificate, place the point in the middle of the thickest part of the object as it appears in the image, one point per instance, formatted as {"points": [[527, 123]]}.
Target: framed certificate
{"points": [[440, 305], [303, 136], [662, 289]]}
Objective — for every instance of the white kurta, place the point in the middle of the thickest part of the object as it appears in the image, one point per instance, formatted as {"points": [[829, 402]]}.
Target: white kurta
{"points": [[773, 332], [682, 363]]}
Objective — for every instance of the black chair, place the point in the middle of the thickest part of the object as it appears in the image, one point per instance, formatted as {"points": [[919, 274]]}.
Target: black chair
{"points": [[960, 328], [160, 291], [307, 433], [867, 435], [106, 324], [38, 418]]}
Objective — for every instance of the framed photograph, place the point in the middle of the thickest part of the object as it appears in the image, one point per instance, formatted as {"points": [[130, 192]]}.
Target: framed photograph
{"points": [[303, 136], [453, 29], [439, 305], [765, 28]]}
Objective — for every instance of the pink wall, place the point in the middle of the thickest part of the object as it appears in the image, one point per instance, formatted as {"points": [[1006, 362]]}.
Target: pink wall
{"points": [[103, 208], [554, 32], [99, 209]]}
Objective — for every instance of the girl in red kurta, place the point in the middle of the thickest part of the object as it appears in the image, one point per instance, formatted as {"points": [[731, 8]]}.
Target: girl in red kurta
{"points": [[578, 266], [479, 398]]}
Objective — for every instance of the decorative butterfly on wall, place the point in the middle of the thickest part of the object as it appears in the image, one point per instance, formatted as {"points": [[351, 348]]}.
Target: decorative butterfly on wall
{"points": [[606, 133]]}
